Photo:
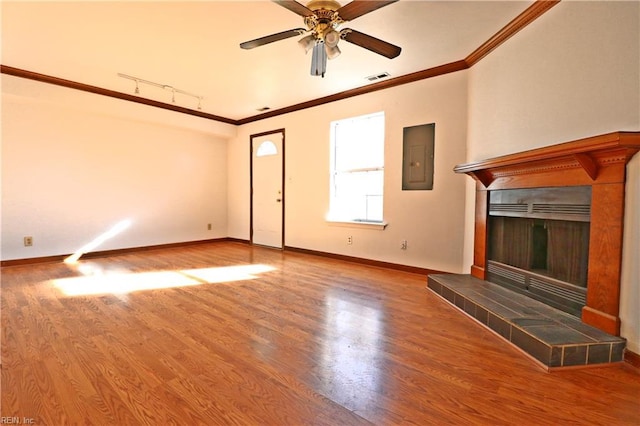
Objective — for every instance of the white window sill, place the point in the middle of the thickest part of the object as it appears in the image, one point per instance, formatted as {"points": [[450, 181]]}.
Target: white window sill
{"points": [[380, 226]]}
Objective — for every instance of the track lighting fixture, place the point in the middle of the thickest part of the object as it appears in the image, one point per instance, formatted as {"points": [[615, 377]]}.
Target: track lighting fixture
{"points": [[162, 86]]}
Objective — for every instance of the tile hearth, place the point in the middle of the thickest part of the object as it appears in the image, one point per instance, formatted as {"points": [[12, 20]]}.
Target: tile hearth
{"points": [[552, 337]]}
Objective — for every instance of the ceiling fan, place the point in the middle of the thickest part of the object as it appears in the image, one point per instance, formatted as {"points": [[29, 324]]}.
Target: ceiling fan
{"points": [[323, 19]]}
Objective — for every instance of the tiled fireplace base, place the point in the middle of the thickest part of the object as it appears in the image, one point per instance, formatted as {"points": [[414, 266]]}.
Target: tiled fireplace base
{"points": [[553, 337]]}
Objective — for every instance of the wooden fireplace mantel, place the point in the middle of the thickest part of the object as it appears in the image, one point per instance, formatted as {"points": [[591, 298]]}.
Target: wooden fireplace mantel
{"points": [[599, 162]]}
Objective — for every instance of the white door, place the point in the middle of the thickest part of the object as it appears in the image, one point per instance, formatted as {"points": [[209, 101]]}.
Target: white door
{"points": [[267, 197]]}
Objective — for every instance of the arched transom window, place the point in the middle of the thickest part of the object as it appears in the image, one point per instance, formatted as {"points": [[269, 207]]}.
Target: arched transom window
{"points": [[266, 148]]}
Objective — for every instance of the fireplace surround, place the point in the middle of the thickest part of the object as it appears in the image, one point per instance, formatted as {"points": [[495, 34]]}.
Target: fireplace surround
{"points": [[597, 164]]}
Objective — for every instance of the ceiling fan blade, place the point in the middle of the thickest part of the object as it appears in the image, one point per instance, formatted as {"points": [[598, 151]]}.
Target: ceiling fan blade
{"points": [[371, 43], [271, 38], [295, 7], [356, 8]]}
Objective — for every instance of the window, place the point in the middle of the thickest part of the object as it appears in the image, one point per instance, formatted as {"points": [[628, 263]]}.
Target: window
{"points": [[267, 148], [357, 169]]}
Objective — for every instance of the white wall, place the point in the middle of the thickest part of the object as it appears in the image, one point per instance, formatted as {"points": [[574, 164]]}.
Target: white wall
{"points": [[573, 73], [75, 164], [630, 291], [431, 221]]}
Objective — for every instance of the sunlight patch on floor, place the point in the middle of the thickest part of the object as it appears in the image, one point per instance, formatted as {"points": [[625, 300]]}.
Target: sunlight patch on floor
{"points": [[96, 281]]}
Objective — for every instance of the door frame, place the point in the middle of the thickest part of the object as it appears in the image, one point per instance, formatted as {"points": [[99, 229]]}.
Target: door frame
{"points": [[251, 139]]}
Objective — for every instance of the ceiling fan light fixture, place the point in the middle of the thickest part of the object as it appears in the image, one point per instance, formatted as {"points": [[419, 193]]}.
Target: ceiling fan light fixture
{"points": [[331, 38], [332, 51], [307, 42], [319, 60]]}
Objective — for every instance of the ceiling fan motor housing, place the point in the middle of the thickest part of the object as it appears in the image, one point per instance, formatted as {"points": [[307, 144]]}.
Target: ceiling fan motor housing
{"points": [[324, 21], [329, 5]]}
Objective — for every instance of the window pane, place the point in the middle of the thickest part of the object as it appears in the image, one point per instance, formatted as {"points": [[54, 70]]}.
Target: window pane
{"points": [[357, 177], [360, 143], [267, 148], [358, 195]]}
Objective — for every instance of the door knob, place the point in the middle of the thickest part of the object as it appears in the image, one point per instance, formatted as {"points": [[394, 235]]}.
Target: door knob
{"points": [[278, 200]]}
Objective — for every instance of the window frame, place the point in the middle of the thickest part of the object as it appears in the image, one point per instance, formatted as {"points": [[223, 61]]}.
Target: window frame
{"points": [[333, 217]]}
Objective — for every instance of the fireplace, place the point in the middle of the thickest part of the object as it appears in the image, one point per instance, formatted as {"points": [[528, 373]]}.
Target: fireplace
{"points": [[563, 207]]}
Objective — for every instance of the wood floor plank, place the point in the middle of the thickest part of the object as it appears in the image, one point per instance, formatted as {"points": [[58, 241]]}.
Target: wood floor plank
{"points": [[312, 341]]}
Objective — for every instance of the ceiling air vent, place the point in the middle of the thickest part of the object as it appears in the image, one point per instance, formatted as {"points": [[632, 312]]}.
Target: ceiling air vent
{"points": [[377, 76]]}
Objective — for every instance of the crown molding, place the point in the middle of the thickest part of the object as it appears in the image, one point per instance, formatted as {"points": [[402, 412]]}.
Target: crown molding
{"points": [[530, 14], [397, 81], [17, 72], [533, 12]]}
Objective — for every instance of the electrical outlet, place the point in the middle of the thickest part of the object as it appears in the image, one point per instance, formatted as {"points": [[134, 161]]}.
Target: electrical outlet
{"points": [[349, 240], [209, 226], [28, 241], [403, 245]]}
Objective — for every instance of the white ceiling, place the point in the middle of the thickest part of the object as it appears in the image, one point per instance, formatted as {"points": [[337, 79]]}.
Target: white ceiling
{"points": [[194, 46]]}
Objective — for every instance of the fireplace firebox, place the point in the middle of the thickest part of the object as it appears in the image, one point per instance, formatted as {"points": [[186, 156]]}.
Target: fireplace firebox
{"points": [[538, 243]]}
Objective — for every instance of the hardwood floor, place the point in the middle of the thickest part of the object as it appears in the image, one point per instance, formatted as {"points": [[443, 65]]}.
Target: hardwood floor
{"points": [[226, 333]]}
